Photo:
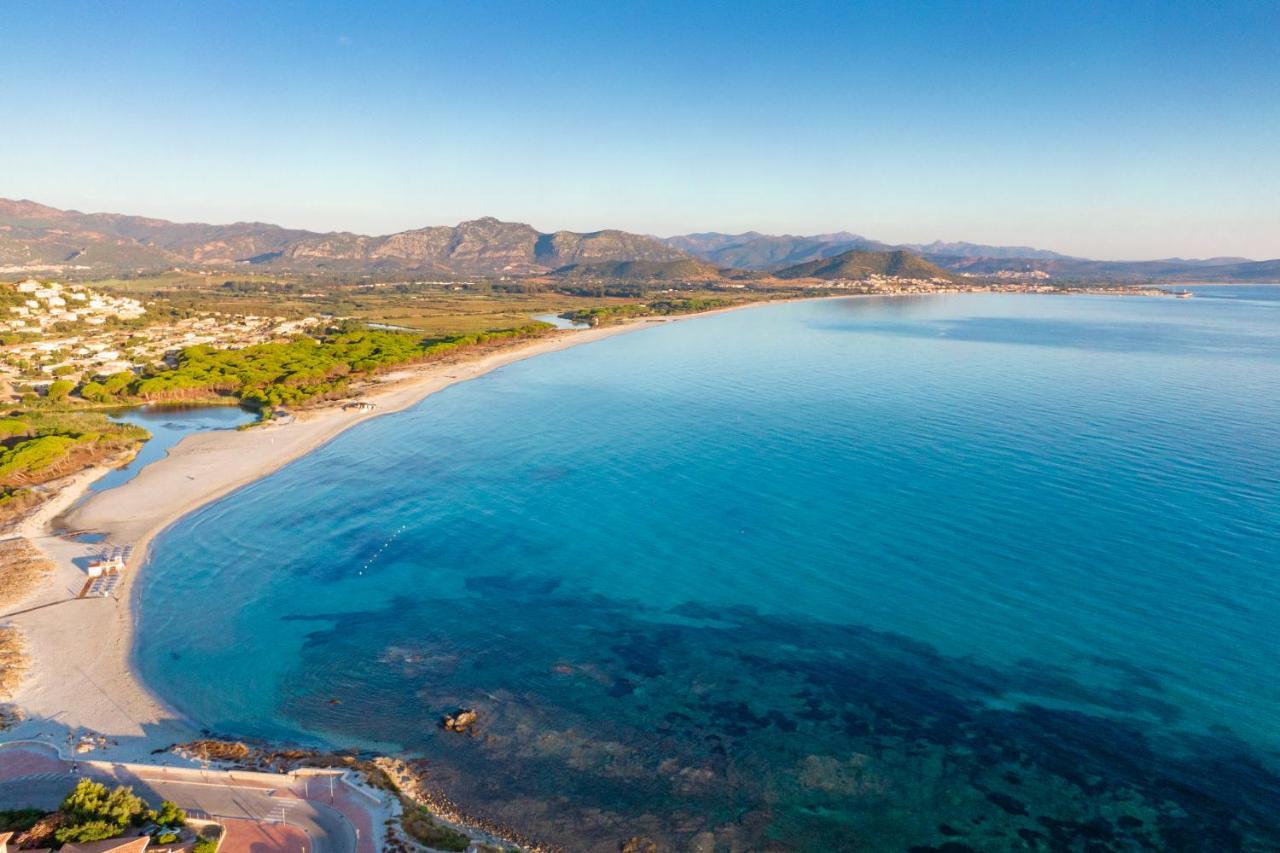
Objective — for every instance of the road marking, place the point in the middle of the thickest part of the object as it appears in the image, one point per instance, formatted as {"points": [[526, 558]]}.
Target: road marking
{"points": [[51, 776], [280, 814]]}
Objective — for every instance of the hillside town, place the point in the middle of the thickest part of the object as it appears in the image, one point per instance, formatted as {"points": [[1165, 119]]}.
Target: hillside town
{"points": [[46, 305], [71, 332], [893, 285]]}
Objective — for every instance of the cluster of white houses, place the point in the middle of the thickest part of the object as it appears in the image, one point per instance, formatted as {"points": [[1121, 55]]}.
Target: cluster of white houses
{"points": [[48, 304], [65, 334]]}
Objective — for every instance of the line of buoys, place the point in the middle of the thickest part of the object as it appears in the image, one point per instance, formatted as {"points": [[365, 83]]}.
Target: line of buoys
{"points": [[381, 548]]}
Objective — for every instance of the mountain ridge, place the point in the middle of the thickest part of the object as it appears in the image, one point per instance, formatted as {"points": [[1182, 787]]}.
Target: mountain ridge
{"points": [[35, 237], [32, 234]]}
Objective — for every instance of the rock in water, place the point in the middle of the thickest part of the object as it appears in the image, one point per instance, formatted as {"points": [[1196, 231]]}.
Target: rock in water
{"points": [[461, 721], [639, 844]]}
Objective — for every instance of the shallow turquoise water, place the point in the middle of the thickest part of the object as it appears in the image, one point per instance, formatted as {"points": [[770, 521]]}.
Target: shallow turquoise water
{"points": [[992, 571]]}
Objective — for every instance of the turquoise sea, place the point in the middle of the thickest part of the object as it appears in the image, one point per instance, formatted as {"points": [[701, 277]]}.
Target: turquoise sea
{"points": [[988, 572]]}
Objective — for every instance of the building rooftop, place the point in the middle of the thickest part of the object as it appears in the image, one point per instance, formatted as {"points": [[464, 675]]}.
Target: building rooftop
{"points": [[111, 845]]}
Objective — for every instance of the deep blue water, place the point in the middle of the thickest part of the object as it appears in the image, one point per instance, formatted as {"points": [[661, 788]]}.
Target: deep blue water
{"points": [[994, 571], [168, 425]]}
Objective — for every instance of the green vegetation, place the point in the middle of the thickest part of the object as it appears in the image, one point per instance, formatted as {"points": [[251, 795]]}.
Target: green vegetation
{"points": [[10, 427], [169, 815], [686, 269], [419, 823], [112, 388], [35, 455], [92, 812], [37, 446], [603, 315], [60, 390], [276, 374], [19, 820], [205, 845], [857, 265]]}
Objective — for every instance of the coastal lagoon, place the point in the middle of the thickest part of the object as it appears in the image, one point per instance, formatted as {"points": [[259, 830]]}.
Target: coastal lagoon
{"points": [[988, 571], [168, 425]]}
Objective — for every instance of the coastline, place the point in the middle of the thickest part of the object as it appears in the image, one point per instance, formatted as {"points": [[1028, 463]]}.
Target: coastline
{"points": [[81, 678]]}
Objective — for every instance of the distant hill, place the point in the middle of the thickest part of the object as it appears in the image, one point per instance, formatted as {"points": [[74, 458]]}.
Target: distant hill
{"points": [[704, 242], [756, 251], [687, 269], [1082, 269], [858, 264], [977, 250], [32, 234]]}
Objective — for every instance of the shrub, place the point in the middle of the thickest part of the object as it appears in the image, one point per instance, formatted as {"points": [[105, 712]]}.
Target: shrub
{"points": [[204, 845], [118, 382], [91, 830], [34, 454], [59, 390], [170, 815], [95, 391], [10, 427], [19, 820], [95, 813], [419, 823]]}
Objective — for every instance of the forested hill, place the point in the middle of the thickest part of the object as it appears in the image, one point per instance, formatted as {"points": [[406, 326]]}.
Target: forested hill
{"points": [[858, 265], [686, 269]]}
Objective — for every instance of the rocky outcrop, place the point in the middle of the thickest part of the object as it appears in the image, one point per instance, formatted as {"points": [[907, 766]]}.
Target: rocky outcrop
{"points": [[461, 722]]}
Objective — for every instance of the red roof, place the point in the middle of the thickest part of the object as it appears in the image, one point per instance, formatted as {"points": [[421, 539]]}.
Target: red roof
{"points": [[111, 845]]}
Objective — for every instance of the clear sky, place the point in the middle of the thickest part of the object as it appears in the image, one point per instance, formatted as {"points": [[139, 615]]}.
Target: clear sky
{"points": [[1112, 130]]}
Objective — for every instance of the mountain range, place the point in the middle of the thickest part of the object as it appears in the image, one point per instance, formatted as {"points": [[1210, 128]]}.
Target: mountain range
{"points": [[35, 237], [755, 251], [33, 234]]}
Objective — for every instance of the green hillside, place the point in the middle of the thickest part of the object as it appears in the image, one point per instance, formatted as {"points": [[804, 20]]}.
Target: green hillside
{"points": [[858, 265], [687, 269]]}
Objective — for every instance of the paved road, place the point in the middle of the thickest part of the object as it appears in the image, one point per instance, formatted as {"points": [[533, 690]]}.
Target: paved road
{"points": [[210, 794]]}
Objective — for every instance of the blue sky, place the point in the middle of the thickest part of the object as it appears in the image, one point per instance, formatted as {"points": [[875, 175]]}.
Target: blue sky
{"points": [[1116, 130]]}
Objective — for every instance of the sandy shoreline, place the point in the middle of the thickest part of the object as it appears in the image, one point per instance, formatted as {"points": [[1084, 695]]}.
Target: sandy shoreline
{"points": [[81, 676]]}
